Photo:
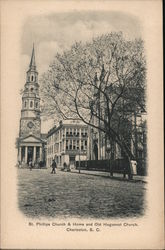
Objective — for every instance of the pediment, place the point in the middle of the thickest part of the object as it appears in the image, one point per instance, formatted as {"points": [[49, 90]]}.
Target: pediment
{"points": [[31, 138]]}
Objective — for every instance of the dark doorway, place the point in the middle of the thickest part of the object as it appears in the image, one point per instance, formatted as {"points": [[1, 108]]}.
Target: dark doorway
{"points": [[96, 151], [30, 154]]}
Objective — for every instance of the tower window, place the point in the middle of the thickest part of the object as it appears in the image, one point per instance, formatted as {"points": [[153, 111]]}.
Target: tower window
{"points": [[32, 78], [31, 104], [31, 89], [25, 104], [36, 104]]}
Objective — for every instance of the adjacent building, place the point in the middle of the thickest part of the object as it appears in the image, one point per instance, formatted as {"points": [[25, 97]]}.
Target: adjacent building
{"points": [[98, 142], [100, 147], [31, 143], [67, 142]]}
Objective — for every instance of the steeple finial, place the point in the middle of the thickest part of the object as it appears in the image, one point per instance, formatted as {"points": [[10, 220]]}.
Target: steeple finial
{"points": [[32, 62]]}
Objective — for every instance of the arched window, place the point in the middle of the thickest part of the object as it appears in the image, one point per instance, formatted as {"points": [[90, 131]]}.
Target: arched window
{"points": [[28, 78], [32, 78], [25, 104], [36, 104], [31, 104], [31, 89]]}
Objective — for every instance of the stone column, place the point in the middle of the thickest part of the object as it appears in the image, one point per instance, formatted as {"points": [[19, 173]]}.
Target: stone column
{"points": [[40, 153], [19, 154], [26, 153], [34, 154]]}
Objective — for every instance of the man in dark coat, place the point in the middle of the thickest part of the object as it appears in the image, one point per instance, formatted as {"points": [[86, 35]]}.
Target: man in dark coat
{"points": [[53, 167]]}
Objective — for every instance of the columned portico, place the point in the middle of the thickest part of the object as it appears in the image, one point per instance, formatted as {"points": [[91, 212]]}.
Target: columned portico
{"points": [[30, 149]]}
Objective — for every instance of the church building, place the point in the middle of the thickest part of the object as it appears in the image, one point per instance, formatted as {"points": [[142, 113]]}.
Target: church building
{"points": [[31, 143]]}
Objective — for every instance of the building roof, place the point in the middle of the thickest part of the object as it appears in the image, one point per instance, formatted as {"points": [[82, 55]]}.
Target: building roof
{"points": [[30, 138], [67, 123], [72, 122]]}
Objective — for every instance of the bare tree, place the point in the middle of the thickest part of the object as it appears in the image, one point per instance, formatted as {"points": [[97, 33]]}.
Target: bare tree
{"points": [[100, 82]]}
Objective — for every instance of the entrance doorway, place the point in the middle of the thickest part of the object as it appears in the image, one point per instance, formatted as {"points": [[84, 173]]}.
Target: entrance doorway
{"points": [[30, 154], [95, 151], [72, 160]]}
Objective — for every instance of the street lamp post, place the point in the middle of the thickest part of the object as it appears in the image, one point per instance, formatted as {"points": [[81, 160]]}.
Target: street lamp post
{"points": [[108, 149], [79, 162]]}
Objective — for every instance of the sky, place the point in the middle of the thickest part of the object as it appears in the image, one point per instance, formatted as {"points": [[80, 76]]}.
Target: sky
{"points": [[57, 32]]}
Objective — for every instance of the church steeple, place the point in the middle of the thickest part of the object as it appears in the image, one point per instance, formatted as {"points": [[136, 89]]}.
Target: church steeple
{"points": [[32, 74], [30, 142], [31, 101], [32, 65]]}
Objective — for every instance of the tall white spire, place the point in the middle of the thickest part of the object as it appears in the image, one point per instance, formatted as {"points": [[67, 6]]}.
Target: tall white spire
{"points": [[32, 62]]}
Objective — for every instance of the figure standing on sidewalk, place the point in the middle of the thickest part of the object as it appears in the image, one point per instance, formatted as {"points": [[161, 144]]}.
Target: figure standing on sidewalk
{"points": [[30, 164], [54, 165]]}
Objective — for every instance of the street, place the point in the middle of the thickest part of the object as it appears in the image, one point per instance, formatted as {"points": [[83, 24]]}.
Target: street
{"points": [[67, 194]]}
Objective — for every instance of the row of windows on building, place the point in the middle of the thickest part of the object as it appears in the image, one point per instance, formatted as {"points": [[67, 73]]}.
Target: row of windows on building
{"points": [[68, 132], [69, 145], [76, 132], [76, 145], [31, 104]]}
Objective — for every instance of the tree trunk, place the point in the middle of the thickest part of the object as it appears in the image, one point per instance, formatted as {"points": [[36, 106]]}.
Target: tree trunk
{"points": [[127, 154]]}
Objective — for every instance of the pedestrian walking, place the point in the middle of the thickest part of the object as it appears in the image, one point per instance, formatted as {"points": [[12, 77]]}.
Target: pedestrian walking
{"points": [[64, 166], [30, 164], [40, 164], [54, 165]]}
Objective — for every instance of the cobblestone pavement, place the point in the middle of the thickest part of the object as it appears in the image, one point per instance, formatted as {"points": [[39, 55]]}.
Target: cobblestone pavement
{"points": [[67, 194]]}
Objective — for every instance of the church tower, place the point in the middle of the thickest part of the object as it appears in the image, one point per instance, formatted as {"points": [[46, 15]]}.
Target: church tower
{"points": [[30, 122], [30, 142]]}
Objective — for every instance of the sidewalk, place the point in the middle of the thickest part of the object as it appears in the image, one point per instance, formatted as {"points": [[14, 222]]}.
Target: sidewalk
{"points": [[136, 178]]}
